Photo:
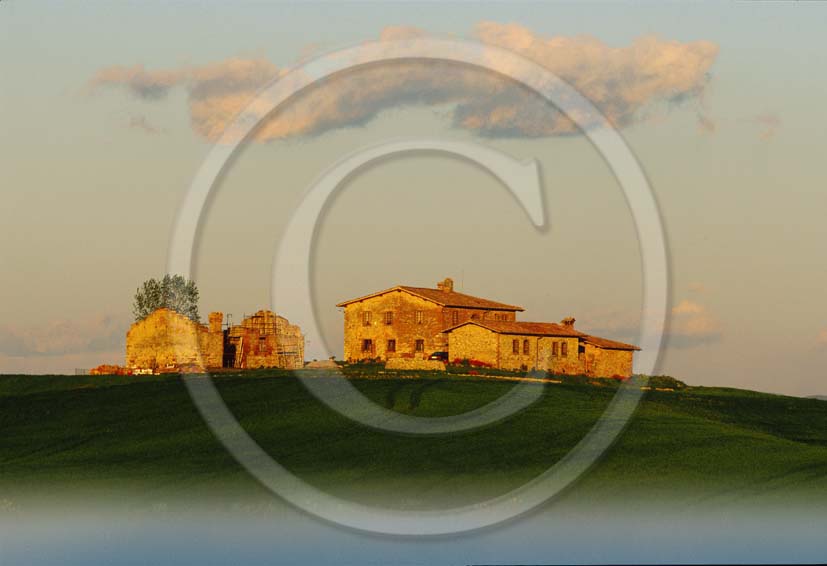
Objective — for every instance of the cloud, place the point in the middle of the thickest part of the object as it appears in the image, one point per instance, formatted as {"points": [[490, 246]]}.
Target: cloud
{"points": [[706, 125], [690, 325], [698, 288], [769, 124], [621, 81], [139, 122], [60, 337], [146, 84]]}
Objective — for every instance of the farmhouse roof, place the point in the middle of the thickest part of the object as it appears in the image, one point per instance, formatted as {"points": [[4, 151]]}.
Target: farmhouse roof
{"points": [[529, 328], [444, 298], [545, 329], [609, 344]]}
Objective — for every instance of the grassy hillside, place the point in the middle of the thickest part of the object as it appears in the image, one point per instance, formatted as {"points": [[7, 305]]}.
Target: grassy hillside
{"points": [[109, 437]]}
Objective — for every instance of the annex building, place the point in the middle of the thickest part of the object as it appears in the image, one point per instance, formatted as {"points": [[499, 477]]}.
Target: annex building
{"points": [[414, 322]]}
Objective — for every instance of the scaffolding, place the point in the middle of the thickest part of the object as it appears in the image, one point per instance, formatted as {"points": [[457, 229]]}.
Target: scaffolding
{"points": [[279, 343]]}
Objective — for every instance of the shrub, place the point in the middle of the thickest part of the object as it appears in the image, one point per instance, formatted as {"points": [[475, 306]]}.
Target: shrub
{"points": [[665, 382]]}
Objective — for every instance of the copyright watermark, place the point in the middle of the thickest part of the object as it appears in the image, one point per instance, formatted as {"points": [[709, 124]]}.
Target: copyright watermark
{"points": [[291, 271]]}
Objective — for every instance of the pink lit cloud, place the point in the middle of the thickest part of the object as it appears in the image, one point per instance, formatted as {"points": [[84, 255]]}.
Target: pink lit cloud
{"points": [[621, 81]]}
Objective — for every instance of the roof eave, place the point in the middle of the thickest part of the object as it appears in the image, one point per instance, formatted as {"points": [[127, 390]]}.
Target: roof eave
{"points": [[503, 307], [370, 296], [482, 324]]}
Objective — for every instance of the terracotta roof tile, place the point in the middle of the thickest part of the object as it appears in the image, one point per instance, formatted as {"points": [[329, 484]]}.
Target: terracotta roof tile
{"points": [[532, 328], [609, 344], [444, 298], [545, 329], [455, 299]]}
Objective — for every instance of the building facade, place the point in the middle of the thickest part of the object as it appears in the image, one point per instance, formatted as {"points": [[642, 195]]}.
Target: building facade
{"points": [[409, 322], [555, 348]]}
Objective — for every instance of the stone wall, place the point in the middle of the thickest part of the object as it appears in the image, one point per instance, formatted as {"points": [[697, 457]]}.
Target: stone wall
{"points": [[540, 354], [472, 342], [414, 364], [166, 339], [602, 362]]}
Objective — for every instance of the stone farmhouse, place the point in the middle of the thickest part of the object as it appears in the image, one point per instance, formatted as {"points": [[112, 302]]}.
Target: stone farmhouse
{"points": [[413, 322], [409, 322], [168, 341]]}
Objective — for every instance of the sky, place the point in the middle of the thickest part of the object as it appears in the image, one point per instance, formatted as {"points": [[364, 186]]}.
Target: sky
{"points": [[109, 109]]}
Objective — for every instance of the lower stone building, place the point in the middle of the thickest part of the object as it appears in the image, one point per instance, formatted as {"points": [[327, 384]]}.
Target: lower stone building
{"points": [[545, 346], [168, 341]]}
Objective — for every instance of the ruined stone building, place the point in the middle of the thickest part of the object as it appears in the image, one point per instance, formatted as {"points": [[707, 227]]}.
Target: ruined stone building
{"points": [[264, 340], [168, 341], [413, 322]]}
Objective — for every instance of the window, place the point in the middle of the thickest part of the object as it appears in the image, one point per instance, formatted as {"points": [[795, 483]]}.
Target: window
{"points": [[367, 345], [455, 317], [391, 345], [564, 349], [475, 316], [419, 346], [515, 346], [420, 316], [389, 317], [525, 347], [555, 348], [366, 318]]}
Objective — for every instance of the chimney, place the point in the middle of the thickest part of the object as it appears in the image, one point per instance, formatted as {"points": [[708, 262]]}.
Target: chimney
{"points": [[446, 285], [216, 318], [568, 321]]}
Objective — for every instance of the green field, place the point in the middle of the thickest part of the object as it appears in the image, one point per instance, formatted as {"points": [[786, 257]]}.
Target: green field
{"points": [[140, 438]]}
